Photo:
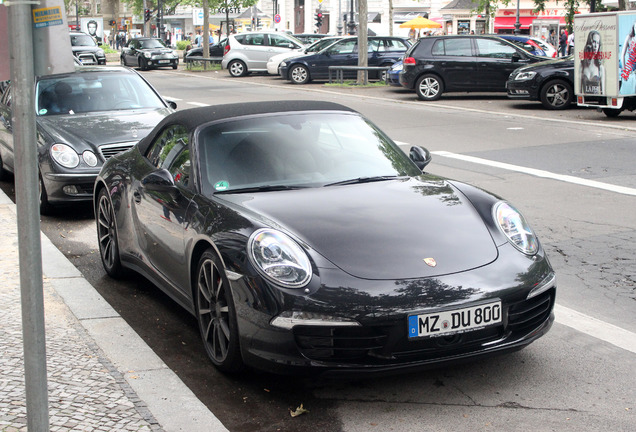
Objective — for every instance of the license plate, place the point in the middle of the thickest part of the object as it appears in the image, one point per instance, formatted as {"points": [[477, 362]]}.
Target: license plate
{"points": [[443, 323], [164, 61]]}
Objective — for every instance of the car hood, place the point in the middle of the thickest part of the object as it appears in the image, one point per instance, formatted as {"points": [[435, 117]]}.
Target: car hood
{"points": [[381, 230], [552, 64], [89, 131], [157, 50]]}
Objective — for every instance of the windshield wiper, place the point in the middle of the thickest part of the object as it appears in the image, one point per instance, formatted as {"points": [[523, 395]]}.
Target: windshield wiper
{"points": [[363, 180], [264, 188]]}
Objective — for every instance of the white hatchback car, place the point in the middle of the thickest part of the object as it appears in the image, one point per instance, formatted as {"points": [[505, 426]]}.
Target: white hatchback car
{"points": [[249, 52], [274, 62]]}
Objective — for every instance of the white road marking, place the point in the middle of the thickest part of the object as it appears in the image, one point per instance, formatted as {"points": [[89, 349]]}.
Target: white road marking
{"points": [[596, 328], [515, 128], [198, 104], [539, 173], [171, 98]]}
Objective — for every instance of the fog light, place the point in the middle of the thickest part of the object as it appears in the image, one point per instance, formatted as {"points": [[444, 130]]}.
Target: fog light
{"points": [[70, 190]]}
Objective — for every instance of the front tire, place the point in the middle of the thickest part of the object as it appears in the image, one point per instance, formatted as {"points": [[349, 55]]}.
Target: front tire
{"points": [[557, 95], [143, 64], [216, 314], [429, 88], [107, 236], [45, 206], [299, 74], [237, 68]]}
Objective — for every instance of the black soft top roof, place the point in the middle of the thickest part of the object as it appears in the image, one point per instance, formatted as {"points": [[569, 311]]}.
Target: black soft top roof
{"points": [[192, 118]]}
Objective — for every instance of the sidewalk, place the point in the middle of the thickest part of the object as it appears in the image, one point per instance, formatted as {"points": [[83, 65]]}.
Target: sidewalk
{"points": [[101, 374]]}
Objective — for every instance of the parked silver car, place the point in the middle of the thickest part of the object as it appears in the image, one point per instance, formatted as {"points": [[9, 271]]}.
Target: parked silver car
{"points": [[249, 52]]}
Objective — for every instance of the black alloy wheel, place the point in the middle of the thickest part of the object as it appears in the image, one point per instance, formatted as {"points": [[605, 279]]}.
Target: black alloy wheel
{"points": [[557, 95], [237, 68], [429, 87], [107, 236], [216, 314], [299, 74]]}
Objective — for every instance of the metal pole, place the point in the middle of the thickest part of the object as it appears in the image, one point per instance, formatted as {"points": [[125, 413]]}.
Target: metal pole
{"points": [[26, 191], [517, 23], [339, 18]]}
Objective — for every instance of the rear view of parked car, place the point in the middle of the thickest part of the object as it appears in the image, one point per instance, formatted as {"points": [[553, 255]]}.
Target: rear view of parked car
{"points": [[550, 82], [249, 52], [439, 64], [382, 51]]}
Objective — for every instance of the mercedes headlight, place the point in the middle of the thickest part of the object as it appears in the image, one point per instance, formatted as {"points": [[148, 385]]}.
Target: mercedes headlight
{"points": [[90, 158], [64, 155], [279, 258], [525, 76], [515, 227], [148, 54]]}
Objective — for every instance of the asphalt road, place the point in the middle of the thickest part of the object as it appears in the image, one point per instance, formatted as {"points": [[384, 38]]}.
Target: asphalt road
{"points": [[571, 173]]}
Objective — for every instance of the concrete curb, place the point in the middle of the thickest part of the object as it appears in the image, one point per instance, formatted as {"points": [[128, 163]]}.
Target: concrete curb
{"points": [[167, 398]]}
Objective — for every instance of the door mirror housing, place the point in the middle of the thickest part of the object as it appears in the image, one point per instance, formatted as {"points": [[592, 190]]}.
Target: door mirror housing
{"points": [[421, 156]]}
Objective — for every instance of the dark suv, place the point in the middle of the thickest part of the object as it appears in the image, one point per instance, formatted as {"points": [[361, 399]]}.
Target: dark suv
{"points": [[461, 64], [86, 49], [383, 51]]}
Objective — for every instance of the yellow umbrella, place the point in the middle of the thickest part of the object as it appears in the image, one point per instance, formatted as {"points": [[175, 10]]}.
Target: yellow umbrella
{"points": [[420, 23]]}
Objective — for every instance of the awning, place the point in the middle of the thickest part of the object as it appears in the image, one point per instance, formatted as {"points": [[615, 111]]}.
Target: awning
{"points": [[509, 22]]}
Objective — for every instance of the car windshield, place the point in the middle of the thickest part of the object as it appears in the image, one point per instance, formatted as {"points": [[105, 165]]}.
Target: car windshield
{"points": [[82, 40], [297, 150], [84, 92], [320, 45], [150, 44]]}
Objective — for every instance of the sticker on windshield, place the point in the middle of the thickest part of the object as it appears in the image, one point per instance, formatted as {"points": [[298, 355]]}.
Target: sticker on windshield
{"points": [[221, 186], [43, 111]]}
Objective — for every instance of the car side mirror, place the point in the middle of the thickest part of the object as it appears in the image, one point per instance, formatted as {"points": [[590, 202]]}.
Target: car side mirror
{"points": [[159, 181], [516, 57], [421, 156], [172, 104]]}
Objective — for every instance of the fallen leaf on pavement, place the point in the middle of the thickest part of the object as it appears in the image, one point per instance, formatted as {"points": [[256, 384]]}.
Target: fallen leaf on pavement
{"points": [[300, 410]]}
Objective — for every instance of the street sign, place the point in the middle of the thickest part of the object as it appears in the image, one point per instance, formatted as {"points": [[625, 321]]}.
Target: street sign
{"points": [[277, 18]]}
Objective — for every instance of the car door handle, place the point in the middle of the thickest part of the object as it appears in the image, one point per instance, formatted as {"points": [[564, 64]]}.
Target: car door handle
{"points": [[137, 197]]}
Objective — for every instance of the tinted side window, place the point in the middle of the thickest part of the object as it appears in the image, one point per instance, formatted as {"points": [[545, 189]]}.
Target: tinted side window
{"points": [[392, 45], [171, 150], [240, 39], [459, 47], [373, 45], [494, 49], [344, 47], [254, 39], [280, 41]]}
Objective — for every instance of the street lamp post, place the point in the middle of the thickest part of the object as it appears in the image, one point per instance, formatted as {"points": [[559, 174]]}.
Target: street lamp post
{"points": [[352, 22], [517, 23]]}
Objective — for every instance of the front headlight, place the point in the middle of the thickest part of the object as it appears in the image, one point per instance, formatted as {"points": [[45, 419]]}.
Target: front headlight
{"points": [[100, 53], [283, 64], [279, 258], [90, 158], [64, 155], [524, 76], [515, 227], [148, 54]]}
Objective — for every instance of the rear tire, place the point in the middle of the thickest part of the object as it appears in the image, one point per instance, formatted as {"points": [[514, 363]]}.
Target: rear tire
{"points": [[557, 95], [237, 68], [429, 88], [612, 112]]}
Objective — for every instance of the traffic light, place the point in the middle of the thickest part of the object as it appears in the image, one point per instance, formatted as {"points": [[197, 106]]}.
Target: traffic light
{"points": [[258, 22], [318, 19], [147, 15]]}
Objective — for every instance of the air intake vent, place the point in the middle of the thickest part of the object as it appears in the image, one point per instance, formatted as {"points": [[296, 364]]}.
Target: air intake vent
{"points": [[110, 150]]}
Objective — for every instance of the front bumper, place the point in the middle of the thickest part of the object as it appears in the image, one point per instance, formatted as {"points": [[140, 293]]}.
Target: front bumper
{"points": [[69, 187], [522, 89], [380, 344]]}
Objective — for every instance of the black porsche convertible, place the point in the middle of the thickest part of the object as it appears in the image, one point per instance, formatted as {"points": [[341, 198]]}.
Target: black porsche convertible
{"points": [[304, 239]]}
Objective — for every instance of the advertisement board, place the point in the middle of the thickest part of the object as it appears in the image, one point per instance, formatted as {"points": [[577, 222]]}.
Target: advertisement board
{"points": [[94, 27], [596, 56], [627, 53]]}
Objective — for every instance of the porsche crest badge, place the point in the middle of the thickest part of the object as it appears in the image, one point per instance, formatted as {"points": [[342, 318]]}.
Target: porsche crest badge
{"points": [[430, 262]]}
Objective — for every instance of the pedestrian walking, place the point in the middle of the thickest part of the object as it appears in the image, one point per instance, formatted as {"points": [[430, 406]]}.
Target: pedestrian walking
{"points": [[563, 41], [552, 39], [571, 43]]}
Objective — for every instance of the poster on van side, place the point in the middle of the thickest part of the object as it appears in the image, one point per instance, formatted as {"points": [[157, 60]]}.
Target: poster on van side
{"points": [[627, 54], [595, 56]]}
